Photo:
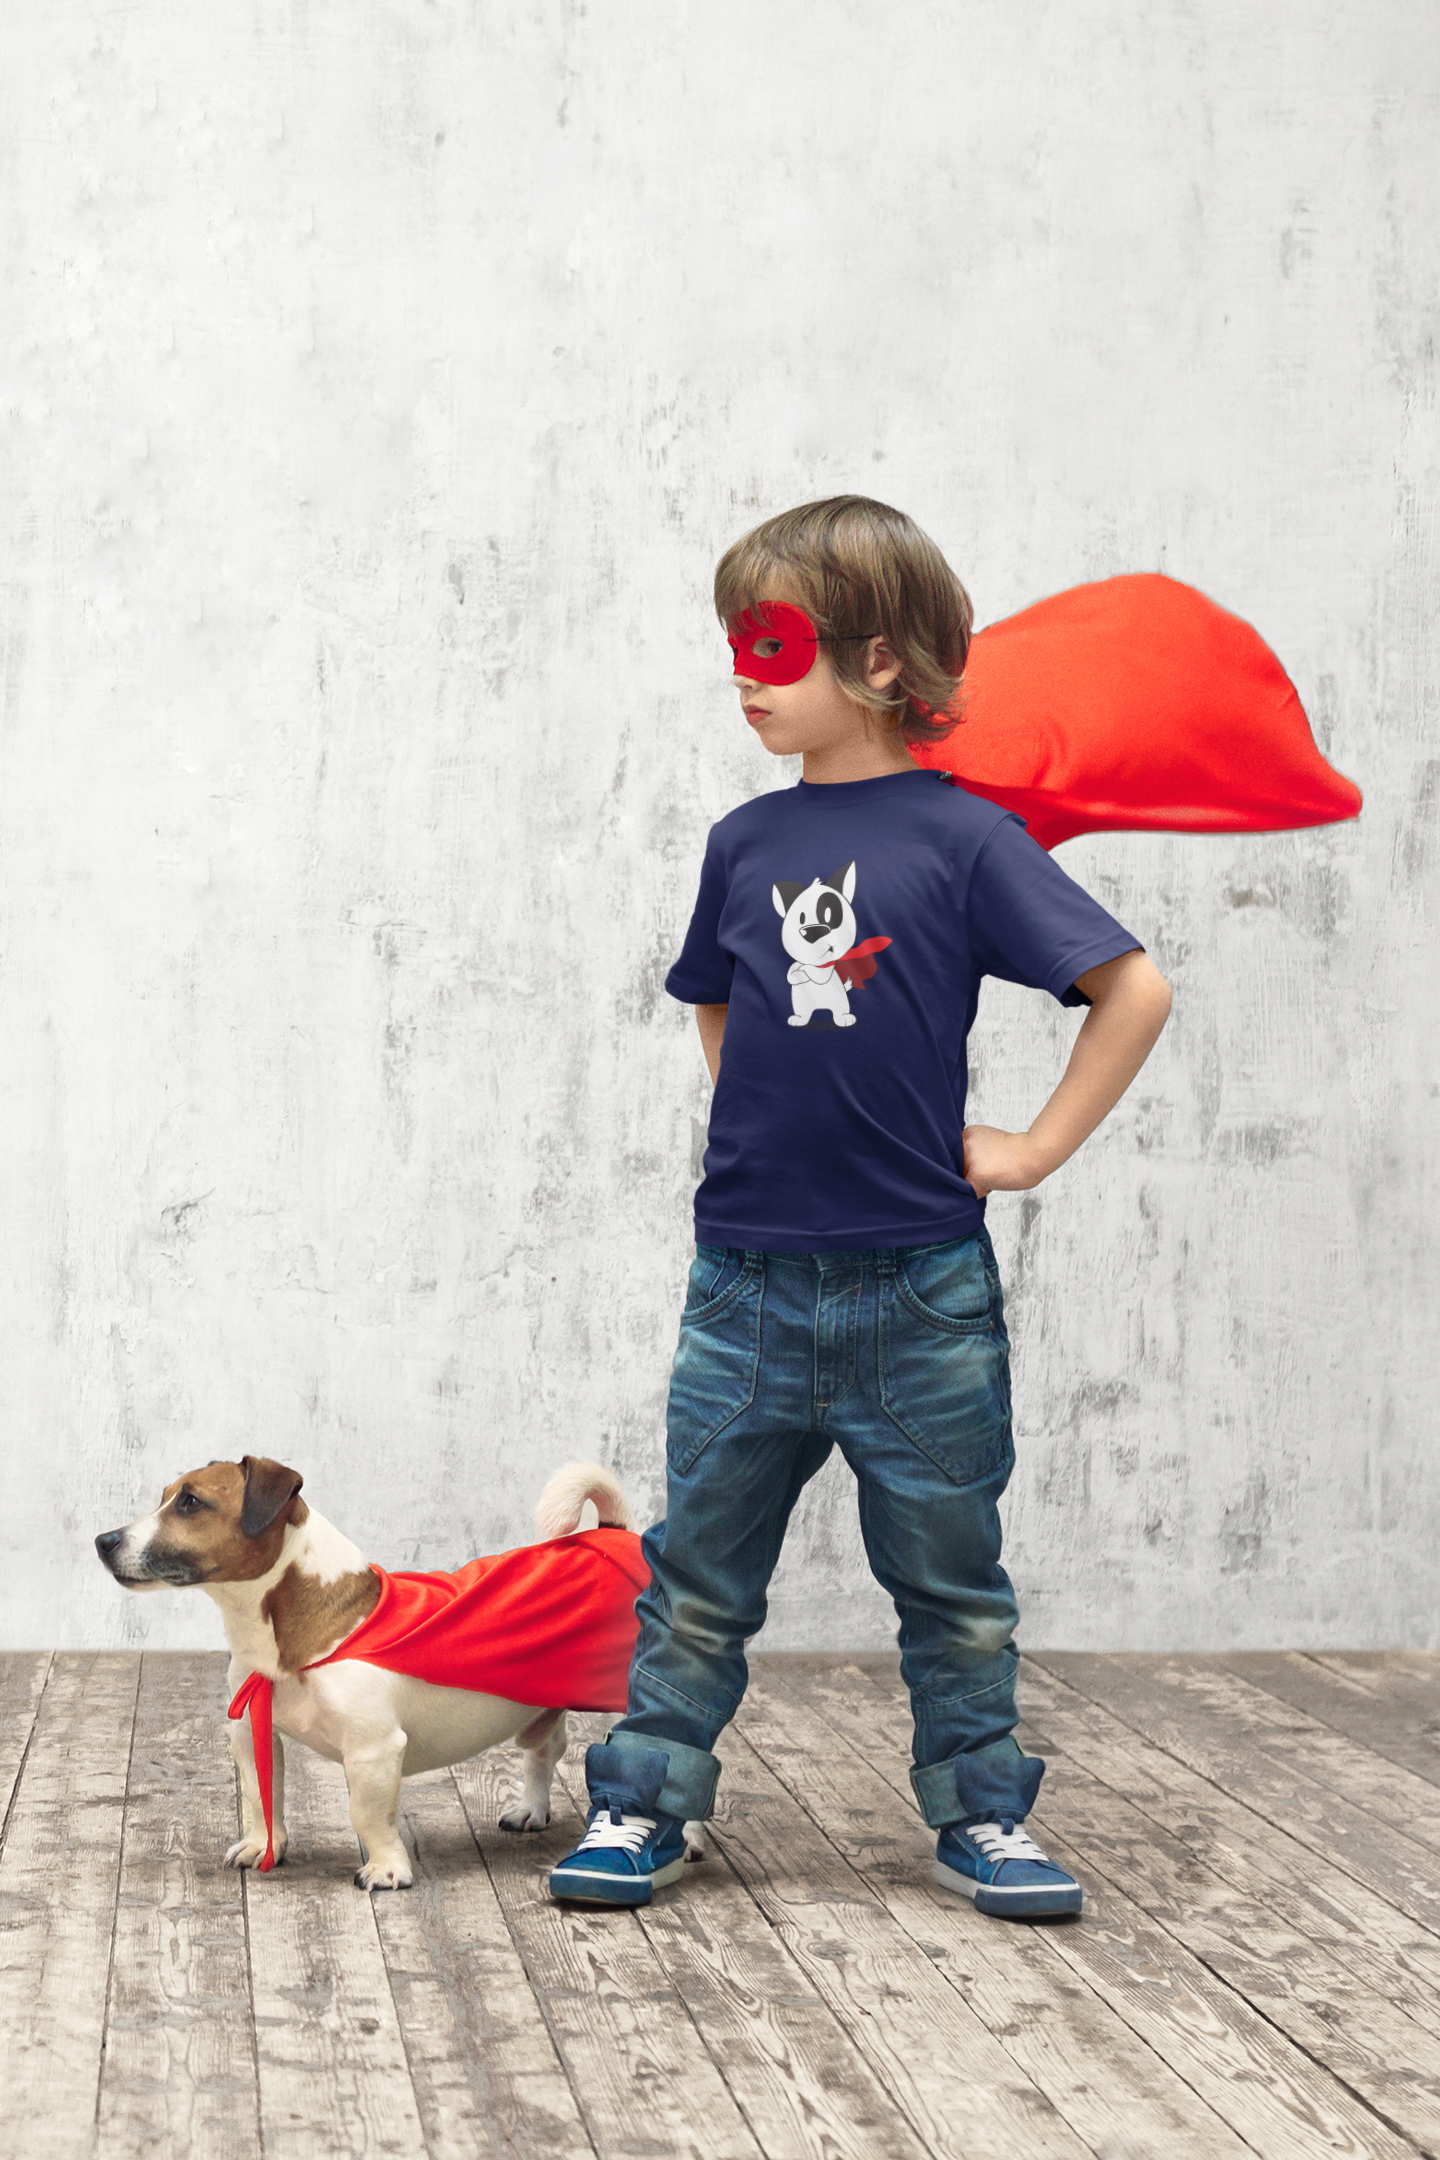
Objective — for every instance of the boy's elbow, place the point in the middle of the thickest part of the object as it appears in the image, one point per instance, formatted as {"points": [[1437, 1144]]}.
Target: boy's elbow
{"points": [[1155, 987]]}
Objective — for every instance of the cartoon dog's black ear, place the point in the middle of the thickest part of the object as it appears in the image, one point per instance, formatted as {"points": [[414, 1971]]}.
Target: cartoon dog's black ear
{"points": [[843, 881], [785, 892], [269, 1488]]}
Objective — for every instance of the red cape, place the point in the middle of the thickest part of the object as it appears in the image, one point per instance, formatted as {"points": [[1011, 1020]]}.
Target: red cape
{"points": [[550, 1624], [1137, 704], [857, 966]]}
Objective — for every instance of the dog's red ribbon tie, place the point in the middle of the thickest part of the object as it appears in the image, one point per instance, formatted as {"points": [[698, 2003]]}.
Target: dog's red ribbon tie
{"points": [[255, 1695], [858, 954]]}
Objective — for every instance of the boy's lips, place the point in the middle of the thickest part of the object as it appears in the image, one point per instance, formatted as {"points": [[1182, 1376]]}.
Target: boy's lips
{"points": [[757, 712]]}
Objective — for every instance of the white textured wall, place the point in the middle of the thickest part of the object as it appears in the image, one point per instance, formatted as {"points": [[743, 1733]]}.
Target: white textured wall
{"points": [[383, 380]]}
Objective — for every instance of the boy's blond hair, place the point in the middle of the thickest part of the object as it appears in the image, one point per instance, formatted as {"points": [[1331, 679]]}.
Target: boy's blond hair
{"points": [[857, 567]]}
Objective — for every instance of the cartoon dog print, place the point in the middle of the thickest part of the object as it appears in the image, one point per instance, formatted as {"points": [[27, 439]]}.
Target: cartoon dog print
{"points": [[817, 929]]}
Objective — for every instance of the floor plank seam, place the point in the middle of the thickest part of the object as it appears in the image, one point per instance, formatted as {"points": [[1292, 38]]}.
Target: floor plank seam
{"points": [[581, 2110], [1257, 2008], [563, 1775], [25, 1754], [115, 1908], [1336, 1854], [1338, 1730], [1052, 1949], [879, 1899], [657, 1950], [1285, 2039], [873, 2061], [1215, 1867], [236, 1825], [400, 2022]]}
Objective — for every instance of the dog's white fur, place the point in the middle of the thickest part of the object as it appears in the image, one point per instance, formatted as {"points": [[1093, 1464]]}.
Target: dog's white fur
{"points": [[382, 1726]]}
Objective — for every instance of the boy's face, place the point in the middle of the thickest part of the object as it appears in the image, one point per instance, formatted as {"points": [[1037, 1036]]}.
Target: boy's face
{"points": [[815, 713]]}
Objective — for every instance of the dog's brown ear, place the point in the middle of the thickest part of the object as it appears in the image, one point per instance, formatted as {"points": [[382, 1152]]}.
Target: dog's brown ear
{"points": [[269, 1489]]}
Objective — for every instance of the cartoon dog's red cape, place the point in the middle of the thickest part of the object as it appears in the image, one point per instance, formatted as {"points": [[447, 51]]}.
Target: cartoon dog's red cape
{"points": [[551, 1624], [1136, 704], [857, 965]]}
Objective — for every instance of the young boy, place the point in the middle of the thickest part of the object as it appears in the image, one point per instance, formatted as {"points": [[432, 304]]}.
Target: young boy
{"points": [[844, 1290]]}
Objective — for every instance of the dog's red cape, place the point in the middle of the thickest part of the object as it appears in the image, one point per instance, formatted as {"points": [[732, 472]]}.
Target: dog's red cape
{"points": [[550, 1624], [1136, 704], [857, 966]]}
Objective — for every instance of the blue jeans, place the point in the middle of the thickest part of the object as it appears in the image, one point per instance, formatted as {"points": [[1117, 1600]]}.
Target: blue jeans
{"points": [[898, 1357]]}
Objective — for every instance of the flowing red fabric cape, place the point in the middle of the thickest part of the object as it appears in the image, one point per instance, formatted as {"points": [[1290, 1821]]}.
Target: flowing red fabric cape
{"points": [[1136, 704], [550, 1624]]}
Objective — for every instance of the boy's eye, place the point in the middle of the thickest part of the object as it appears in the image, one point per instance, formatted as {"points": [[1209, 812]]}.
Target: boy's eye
{"points": [[765, 648]]}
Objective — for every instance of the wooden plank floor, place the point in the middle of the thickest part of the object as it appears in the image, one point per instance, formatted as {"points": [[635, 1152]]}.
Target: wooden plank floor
{"points": [[1257, 1971]]}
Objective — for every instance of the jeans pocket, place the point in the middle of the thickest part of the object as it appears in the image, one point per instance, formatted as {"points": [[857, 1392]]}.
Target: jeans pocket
{"points": [[713, 1271], [948, 1285], [717, 1362], [945, 1381]]}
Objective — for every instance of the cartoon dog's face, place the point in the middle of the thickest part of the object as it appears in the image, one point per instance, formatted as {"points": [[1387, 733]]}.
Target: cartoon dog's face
{"points": [[225, 1523], [817, 920]]}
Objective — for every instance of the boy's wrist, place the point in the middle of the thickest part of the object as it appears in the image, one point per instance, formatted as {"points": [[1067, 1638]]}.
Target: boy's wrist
{"points": [[1042, 1159]]}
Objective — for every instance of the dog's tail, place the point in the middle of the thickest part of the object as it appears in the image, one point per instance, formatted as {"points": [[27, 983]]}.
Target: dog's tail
{"points": [[559, 1506]]}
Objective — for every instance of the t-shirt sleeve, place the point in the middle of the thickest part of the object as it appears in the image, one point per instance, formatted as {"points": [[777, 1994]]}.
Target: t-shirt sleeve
{"points": [[703, 972], [1031, 923]]}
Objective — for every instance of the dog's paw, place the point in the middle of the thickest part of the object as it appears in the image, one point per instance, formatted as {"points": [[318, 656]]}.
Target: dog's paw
{"points": [[249, 1852], [844, 1019], [384, 1875], [694, 1850], [523, 1814]]}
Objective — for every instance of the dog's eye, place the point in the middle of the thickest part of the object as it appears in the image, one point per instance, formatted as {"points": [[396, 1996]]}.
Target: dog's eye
{"points": [[187, 1504]]}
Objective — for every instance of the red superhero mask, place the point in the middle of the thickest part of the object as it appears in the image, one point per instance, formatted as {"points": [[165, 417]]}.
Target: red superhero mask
{"points": [[777, 643]]}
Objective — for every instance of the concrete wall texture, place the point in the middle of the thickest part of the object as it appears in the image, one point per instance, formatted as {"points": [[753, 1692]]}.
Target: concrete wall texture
{"points": [[382, 380]]}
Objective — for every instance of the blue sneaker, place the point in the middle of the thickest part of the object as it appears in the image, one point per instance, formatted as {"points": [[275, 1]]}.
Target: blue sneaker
{"points": [[629, 1850], [1002, 1868]]}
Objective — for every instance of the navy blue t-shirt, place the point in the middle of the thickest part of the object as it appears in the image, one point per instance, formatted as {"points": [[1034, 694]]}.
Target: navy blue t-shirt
{"points": [[847, 928]]}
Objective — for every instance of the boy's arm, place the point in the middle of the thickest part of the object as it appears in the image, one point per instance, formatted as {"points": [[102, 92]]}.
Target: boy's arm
{"points": [[711, 1020], [1129, 1004]]}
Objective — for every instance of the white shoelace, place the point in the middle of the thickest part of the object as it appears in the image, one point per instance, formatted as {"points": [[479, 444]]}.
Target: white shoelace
{"points": [[1000, 1844], [629, 1834]]}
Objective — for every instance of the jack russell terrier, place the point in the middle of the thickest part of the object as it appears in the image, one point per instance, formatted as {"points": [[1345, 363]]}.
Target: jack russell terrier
{"points": [[393, 1674]]}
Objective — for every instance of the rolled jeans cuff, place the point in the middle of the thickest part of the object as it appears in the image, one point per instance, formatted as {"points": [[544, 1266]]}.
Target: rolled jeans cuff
{"points": [[691, 1775], [993, 1780]]}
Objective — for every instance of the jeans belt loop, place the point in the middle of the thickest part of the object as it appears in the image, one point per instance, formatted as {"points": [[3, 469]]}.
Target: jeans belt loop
{"points": [[885, 1260]]}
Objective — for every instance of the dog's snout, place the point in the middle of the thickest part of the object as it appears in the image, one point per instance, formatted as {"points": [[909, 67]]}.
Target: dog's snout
{"points": [[107, 1541]]}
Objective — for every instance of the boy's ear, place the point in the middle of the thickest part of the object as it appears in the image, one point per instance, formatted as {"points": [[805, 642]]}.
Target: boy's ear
{"points": [[785, 892], [843, 881]]}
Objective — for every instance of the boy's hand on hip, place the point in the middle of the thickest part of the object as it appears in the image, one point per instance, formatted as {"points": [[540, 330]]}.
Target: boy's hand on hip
{"points": [[997, 1161], [1129, 1004]]}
